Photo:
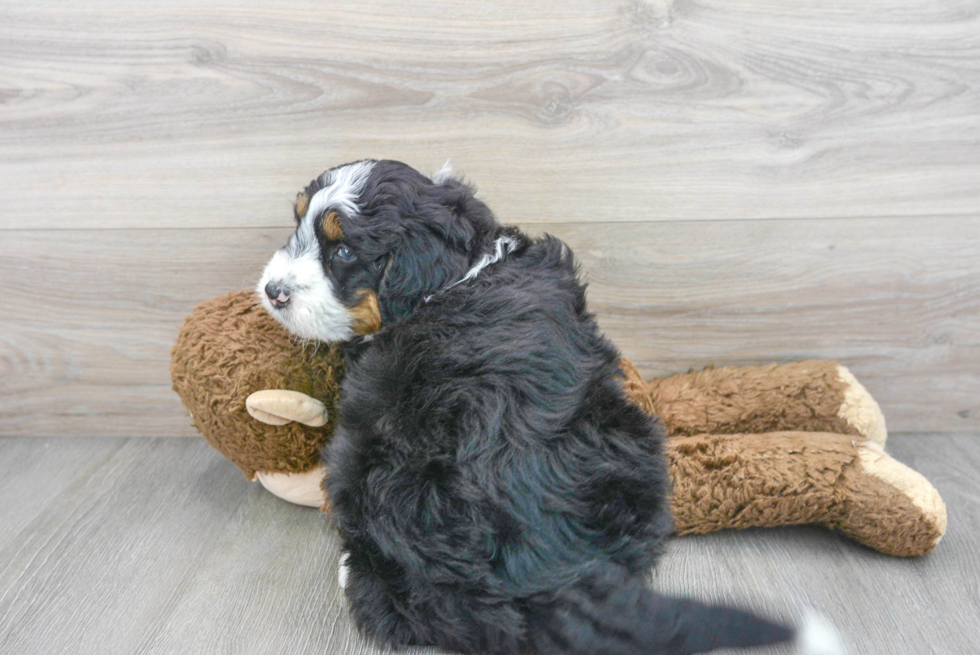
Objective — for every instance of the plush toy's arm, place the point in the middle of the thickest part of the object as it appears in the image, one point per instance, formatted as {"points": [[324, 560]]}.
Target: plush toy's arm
{"points": [[788, 478], [279, 407], [813, 396]]}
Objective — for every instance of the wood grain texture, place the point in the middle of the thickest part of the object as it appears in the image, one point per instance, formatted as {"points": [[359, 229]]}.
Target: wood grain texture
{"points": [[92, 357], [788, 180], [161, 546], [898, 301], [119, 114]]}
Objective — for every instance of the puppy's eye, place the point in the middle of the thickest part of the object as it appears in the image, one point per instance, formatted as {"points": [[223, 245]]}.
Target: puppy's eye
{"points": [[344, 254]]}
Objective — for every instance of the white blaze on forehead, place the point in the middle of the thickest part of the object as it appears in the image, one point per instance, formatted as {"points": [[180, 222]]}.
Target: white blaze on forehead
{"points": [[342, 187]]}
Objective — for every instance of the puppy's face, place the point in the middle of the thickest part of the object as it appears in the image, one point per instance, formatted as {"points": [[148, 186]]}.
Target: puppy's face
{"points": [[372, 239]]}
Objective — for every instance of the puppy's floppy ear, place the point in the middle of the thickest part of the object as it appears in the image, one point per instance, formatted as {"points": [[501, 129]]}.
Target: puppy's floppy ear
{"points": [[420, 266], [446, 230]]}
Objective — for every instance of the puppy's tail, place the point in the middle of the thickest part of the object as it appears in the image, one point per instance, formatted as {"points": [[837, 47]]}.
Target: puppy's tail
{"points": [[614, 613]]}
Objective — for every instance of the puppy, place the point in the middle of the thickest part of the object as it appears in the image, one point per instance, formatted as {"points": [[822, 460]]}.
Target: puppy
{"points": [[493, 488]]}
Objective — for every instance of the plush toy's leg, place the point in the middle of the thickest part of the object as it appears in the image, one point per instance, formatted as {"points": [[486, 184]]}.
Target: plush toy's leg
{"points": [[787, 478], [814, 396], [891, 505]]}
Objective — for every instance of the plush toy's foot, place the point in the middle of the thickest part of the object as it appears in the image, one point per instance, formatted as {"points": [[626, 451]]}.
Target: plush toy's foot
{"points": [[279, 407], [299, 488], [791, 478], [889, 506]]}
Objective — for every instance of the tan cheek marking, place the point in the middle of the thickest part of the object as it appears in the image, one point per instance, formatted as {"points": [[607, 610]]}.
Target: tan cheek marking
{"points": [[366, 315], [331, 226], [302, 204]]}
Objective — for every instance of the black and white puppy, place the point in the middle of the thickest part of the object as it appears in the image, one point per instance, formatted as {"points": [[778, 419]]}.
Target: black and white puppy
{"points": [[494, 489]]}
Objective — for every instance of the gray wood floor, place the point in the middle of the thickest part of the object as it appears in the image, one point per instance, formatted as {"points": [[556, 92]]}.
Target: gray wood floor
{"points": [[141, 545]]}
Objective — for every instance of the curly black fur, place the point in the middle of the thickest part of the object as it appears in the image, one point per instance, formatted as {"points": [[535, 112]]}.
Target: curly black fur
{"points": [[492, 485]]}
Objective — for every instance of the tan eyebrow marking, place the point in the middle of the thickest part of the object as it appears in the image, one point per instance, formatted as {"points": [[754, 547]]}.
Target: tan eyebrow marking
{"points": [[331, 226]]}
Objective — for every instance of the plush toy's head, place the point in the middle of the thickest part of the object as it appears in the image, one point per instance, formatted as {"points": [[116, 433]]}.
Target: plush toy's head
{"points": [[228, 348]]}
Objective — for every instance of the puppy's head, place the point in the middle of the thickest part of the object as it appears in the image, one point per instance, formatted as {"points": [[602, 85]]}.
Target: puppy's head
{"points": [[372, 240]]}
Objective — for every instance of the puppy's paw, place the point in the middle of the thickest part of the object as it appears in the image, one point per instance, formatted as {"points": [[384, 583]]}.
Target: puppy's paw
{"points": [[342, 572]]}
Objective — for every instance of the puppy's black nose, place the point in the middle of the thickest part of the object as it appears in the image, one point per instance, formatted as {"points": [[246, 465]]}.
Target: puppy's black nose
{"points": [[277, 295]]}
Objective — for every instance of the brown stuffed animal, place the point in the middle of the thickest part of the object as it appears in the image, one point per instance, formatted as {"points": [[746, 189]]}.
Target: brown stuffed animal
{"points": [[749, 447]]}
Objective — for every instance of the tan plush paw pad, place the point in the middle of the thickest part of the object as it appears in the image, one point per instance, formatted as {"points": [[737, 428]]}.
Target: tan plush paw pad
{"points": [[298, 488], [860, 410], [279, 407]]}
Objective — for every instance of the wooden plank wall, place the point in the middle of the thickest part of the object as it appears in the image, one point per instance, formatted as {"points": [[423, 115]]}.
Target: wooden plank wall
{"points": [[745, 181]]}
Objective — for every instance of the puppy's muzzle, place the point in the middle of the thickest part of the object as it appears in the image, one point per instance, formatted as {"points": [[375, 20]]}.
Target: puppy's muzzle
{"points": [[278, 295]]}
